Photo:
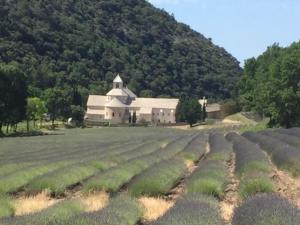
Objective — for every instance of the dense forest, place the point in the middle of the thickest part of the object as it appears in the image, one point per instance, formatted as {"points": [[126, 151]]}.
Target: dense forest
{"points": [[270, 85], [79, 46]]}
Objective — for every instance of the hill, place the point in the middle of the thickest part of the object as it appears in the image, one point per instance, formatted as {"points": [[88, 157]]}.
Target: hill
{"points": [[80, 45]]}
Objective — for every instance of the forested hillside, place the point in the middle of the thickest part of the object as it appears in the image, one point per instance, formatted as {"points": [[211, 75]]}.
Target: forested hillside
{"points": [[79, 46], [270, 85]]}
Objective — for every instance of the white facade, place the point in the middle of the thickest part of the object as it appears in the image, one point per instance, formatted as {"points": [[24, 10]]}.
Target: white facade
{"points": [[120, 102]]}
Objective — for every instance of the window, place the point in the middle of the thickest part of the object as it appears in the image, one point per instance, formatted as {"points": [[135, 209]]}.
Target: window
{"points": [[168, 114], [163, 114], [117, 85], [113, 114], [120, 114], [158, 114]]}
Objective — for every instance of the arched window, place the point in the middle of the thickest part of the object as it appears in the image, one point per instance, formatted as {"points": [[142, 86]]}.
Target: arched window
{"points": [[113, 114]]}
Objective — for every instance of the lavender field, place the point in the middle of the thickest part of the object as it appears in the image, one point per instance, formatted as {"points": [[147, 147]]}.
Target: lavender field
{"points": [[128, 176]]}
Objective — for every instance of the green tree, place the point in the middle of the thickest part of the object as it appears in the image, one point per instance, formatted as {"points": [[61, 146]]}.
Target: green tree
{"points": [[77, 114], [35, 110], [134, 118], [270, 85], [188, 110], [13, 95], [58, 103]]}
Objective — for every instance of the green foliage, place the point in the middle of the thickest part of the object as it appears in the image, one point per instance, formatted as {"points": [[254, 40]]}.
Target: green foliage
{"points": [[121, 210], [157, 180], [58, 103], [82, 44], [57, 214], [20, 178], [210, 179], [13, 94], [6, 208], [188, 110], [35, 109], [192, 209], [77, 114], [57, 181], [249, 186], [230, 107], [270, 85]]}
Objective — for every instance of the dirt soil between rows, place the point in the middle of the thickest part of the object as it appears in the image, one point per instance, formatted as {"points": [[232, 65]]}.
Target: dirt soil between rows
{"points": [[231, 199], [287, 185]]}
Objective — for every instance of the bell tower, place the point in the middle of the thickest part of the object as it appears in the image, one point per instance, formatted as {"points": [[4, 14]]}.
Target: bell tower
{"points": [[118, 82]]}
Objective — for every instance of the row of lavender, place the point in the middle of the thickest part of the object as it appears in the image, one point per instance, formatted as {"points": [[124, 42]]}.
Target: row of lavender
{"points": [[253, 168], [199, 204], [164, 166]]}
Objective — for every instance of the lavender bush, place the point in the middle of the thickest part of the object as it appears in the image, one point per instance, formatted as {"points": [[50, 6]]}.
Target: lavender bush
{"points": [[266, 210], [192, 210]]}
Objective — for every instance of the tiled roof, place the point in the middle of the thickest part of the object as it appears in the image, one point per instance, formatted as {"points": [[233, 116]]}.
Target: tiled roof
{"points": [[160, 103], [96, 100], [115, 103], [117, 92]]}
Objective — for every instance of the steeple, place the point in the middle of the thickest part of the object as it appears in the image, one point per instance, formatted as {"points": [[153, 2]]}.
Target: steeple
{"points": [[118, 82]]}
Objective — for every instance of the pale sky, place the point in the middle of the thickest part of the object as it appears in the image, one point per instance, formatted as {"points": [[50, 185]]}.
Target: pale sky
{"points": [[245, 28]]}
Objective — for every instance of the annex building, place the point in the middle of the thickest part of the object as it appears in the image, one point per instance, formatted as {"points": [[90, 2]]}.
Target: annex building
{"points": [[120, 103]]}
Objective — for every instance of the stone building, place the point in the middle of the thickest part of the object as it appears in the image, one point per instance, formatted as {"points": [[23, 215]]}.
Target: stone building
{"points": [[120, 103]]}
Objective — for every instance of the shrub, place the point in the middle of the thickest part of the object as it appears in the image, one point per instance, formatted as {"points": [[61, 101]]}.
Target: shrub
{"points": [[283, 155], [251, 185], [249, 156], [15, 181], [252, 166], [267, 209], [192, 210], [195, 149], [292, 131], [58, 214], [57, 181], [289, 139], [220, 148], [158, 179], [120, 211], [211, 178], [114, 178]]}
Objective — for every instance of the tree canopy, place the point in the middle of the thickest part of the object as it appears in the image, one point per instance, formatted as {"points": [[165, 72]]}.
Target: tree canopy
{"points": [[270, 85], [13, 94], [81, 45]]}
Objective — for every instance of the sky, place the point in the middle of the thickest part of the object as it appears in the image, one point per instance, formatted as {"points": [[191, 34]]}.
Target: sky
{"points": [[245, 28]]}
